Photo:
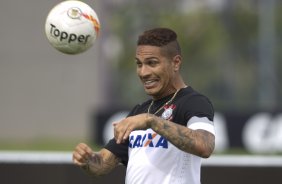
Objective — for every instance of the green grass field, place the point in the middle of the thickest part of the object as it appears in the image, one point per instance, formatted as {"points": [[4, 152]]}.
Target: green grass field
{"points": [[43, 145]]}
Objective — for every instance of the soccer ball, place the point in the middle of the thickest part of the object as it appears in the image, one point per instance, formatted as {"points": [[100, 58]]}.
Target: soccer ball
{"points": [[72, 27]]}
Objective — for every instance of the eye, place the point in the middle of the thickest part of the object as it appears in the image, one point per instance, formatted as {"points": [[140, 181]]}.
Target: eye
{"points": [[139, 64], [152, 62]]}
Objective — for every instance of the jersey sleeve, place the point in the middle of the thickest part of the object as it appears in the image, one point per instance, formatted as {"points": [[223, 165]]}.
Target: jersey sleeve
{"points": [[199, 114], [121, 150], [199, 106]]}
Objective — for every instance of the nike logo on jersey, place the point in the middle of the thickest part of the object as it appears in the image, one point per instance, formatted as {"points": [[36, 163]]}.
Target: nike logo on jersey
{"points": [[147, 140]]}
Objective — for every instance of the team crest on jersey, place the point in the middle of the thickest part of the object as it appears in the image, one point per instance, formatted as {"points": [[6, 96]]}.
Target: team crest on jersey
{"points": [[168, 110]]}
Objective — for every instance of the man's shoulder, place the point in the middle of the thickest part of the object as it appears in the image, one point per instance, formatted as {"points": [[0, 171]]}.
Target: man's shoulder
{"points": [[193, 102], [140, 108], [192, 95]]}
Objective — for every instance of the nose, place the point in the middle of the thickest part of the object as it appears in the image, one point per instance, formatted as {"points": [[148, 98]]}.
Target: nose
{"points": [[143, 71]]}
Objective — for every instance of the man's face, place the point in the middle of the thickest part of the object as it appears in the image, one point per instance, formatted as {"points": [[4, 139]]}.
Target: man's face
{"points": [[155, 71]]}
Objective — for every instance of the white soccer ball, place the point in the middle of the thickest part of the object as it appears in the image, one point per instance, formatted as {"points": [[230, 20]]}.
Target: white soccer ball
{"points": [[72, 27]]}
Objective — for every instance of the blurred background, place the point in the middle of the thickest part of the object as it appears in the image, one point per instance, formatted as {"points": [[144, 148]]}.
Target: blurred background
{"points": [[231, 51]]}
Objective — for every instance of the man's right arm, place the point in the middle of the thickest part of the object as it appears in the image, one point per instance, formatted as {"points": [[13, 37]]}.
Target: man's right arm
{"points": [[95, 163]]}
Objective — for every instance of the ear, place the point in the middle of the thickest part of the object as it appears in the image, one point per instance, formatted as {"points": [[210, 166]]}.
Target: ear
{"points": [[176, 62]]}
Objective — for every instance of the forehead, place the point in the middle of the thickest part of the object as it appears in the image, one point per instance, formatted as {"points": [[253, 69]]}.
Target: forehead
{"points": [[144, 51]]}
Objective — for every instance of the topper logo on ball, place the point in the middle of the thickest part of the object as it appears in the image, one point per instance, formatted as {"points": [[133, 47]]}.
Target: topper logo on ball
{"points": [[62, 35]]}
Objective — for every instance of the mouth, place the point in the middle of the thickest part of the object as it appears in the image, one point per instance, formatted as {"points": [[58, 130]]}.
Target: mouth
{"points": [[150, 83]]}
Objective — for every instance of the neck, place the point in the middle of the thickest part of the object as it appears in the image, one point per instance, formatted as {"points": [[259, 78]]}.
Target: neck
{"points": [[169, 92], [177, 84], [168, 102]]}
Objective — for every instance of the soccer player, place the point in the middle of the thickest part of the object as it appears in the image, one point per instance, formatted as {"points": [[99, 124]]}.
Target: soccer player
{"points": [[163, 139]]}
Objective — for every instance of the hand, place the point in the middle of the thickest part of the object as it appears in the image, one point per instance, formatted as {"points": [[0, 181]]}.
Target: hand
{"points": [[123, 128], [82, 155]]}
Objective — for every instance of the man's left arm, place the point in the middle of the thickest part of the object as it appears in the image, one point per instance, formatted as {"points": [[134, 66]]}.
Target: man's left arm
{"points": [[198, 142]]}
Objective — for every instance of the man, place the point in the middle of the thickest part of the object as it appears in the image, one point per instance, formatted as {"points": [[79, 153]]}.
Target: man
{"points": [[163, 139]]}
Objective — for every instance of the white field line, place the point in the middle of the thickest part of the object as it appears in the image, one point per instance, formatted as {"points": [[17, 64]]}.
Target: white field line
{"points": [[243, 161], [58, 157], [48, 157]]}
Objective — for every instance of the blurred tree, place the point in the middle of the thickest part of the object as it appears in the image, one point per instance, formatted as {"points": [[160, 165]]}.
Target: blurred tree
{"points": [[220, 48]]}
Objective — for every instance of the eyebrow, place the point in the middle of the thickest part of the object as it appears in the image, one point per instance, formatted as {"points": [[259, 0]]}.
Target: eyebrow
{"points": [[147, 58]]}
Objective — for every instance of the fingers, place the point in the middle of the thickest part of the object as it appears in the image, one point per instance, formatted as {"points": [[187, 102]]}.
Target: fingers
{"points": [[127, 133], [82, 154], [118, 133], [122, 131], [117, 122], [123, 128]]}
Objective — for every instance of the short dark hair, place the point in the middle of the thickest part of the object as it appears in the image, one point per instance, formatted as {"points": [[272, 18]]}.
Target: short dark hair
{"points": [[161, 37]]}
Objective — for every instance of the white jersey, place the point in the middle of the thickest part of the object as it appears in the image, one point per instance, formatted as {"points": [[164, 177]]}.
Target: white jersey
{"points": [[164, 163], [150, 158]]}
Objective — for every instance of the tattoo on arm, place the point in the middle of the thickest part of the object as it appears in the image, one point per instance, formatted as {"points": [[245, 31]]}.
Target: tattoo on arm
{"points": [[101, 163], [198, 142]]}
